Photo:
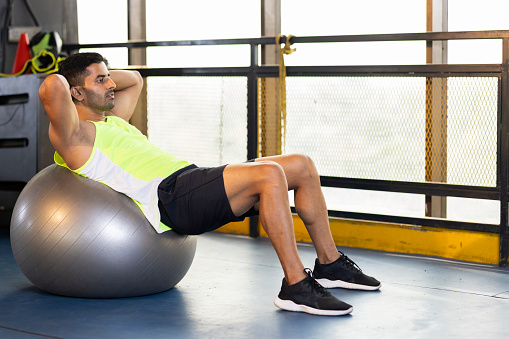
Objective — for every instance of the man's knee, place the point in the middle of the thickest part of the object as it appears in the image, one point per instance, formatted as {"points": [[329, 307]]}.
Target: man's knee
{"points": [[270, 173], [305, 167], [302, 159]]}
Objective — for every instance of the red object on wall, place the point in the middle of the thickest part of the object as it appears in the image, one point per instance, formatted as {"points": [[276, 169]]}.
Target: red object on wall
{"points": [[22, 54]]}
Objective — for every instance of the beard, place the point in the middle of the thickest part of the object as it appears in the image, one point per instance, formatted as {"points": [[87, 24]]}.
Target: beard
{"points": [[99, 102]]}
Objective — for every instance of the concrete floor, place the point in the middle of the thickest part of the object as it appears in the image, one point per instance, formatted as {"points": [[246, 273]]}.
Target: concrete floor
{"points": [[229, 290]]}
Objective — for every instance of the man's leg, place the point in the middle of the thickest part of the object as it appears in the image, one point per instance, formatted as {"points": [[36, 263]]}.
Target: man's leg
{"points": [[267, 182], [303, 178], [330, 269], [264, 183]]}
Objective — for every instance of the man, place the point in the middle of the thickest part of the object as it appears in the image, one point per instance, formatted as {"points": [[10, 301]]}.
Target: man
{"points": [[89, 106]]}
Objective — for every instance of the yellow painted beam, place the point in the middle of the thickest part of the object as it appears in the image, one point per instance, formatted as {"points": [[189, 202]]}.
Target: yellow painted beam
{"points": [[241, 227], [445, 243]]}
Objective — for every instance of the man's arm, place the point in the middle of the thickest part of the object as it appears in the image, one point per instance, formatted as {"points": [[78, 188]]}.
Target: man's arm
{"points": [[129, 85], [72, 138], [55, 96]]}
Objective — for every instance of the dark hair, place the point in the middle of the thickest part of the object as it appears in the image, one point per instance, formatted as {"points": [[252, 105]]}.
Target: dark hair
{"points": [[74, 67]]}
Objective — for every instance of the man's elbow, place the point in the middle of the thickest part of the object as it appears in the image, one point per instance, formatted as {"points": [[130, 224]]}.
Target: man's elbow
{"points": [[53, 81], [139, 79], [42, 91], [53, 87]]}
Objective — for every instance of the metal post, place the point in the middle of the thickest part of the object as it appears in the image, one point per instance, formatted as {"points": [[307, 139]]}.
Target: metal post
{"points": [[270, 26], [270, 116], [436, 109], [70, 24], [252, 123], [504, 154], [137, 30]]}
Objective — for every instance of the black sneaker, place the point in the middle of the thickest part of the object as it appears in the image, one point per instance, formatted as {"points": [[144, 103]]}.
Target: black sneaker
{"points": [[309, 296], [344, 273]]}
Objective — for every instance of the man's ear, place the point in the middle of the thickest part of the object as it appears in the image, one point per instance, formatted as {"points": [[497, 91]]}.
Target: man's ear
{"points": [[77, 93]]}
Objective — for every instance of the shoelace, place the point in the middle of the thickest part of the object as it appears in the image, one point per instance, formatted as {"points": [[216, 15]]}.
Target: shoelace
{"points": [[315, 284], [349, 262]]}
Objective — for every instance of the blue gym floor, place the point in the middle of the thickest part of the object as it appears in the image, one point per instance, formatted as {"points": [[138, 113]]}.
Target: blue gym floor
{"points": [[229, 290]]}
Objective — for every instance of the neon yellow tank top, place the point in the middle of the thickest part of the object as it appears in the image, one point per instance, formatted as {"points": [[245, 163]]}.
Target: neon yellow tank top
{"points": [[126, 161]]}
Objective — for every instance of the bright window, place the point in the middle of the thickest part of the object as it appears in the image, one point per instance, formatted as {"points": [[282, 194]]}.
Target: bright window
{"points": [[473, 15], [102, 21], [332, 17], [198, 20]]}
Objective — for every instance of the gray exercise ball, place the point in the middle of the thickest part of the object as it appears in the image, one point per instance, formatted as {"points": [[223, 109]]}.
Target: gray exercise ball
{"points": [[76, 237]]}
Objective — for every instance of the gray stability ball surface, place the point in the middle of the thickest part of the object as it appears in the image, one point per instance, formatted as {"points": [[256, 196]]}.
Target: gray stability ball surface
{"points": [[76, 237]]}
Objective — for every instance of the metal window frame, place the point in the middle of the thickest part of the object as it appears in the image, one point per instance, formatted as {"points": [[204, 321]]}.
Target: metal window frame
{"points": [[255, 71]]}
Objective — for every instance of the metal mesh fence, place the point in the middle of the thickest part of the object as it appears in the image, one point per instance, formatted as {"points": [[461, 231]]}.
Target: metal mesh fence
{"points": [[392, 128], [472, 131], [200, 119], [389, 128]]}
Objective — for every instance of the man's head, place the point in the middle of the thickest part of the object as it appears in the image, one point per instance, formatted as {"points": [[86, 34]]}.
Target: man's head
{"points": [[74, 68], [89, 81]]}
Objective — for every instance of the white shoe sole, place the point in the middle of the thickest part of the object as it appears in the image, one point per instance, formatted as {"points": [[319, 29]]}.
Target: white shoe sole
{"points": [[341, 284], [289, 305]]}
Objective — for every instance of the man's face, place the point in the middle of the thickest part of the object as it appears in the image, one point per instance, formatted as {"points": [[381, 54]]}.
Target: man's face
{"points": [[98, 88]]}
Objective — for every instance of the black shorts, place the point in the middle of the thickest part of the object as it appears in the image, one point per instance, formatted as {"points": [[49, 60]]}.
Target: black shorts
{"points": [[193, 200]]}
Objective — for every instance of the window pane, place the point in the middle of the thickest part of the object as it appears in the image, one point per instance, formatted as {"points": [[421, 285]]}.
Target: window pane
{"points": [[200, 119], [200, 20], [96, 27], [332, 17], [359, 127], [473, 210], [358, 53], [374, 202], [473, 15], [199, 56]]}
